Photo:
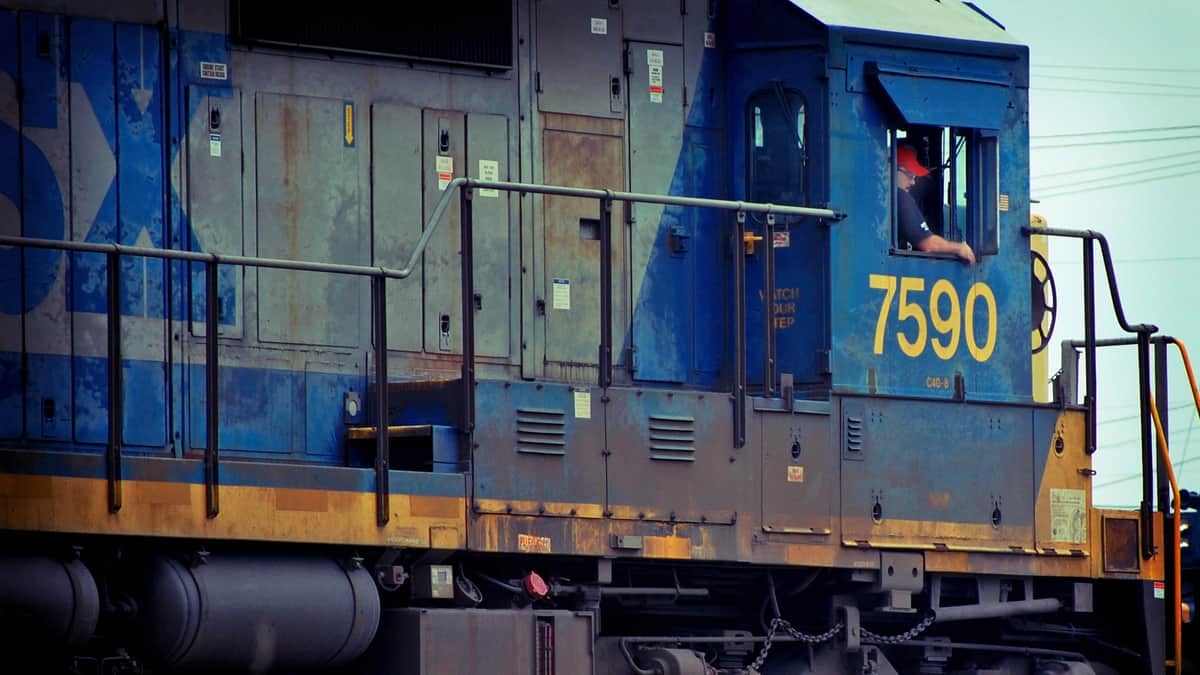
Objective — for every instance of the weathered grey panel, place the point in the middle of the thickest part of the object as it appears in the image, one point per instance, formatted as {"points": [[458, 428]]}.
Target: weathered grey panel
{"points": [[487, 149], [396, 214], [498, 642], [573, 334], [664, 446], [800, 472], [214, 194], [653, 20], [445, 142], [576, 62], [309, 208], [655, 141]]}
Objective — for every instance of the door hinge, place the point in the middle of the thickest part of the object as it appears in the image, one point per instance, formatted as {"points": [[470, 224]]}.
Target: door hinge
{"points": [[537, 81]]}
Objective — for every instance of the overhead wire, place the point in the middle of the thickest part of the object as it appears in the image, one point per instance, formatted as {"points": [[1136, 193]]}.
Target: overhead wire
{"points": [[1118, 93], [1064, 66], [1110, 132], [1123, 82], [1118, 141], [1115, 165], [1065, 193], [1116, 176]]}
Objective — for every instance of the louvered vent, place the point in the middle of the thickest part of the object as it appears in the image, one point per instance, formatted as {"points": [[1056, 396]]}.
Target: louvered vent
{"points": [[541, 431], [672, 438], [854, 434]]}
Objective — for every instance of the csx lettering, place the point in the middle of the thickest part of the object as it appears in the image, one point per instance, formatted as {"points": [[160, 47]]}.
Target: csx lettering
{"points": [[950, 321]]}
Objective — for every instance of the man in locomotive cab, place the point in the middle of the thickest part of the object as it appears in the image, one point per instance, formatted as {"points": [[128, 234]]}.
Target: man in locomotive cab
{"points": [[913, 229]]}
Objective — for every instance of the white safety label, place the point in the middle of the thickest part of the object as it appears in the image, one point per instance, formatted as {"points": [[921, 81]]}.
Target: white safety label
{"points": [[210, 70], [599, 26], [561, 297], [656, 84], [489, 169], [782, 239], [1068, 515], [710, 40], [583, 404], [214, 145], [445, 171], [654, 57]]}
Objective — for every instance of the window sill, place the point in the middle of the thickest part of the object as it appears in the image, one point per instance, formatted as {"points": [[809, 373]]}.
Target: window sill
{"points": [[908, 253]]}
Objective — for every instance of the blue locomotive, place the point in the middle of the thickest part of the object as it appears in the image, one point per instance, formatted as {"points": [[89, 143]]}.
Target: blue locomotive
{"points": [[543, 336]]}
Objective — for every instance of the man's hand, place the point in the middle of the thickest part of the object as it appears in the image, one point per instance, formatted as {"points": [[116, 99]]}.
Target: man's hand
{"points": [[964, 251]]}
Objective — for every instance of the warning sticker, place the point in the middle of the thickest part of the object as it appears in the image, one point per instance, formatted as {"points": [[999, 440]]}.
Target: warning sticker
{"points": [[599, 26], [214, 145], [210, 70], [561, 297], [654, 57], [583, 404], [489, 169], [782, 239], [1160, 590], [710, 40], [795, 474], [656, 84], [445, 171], [531, 543], [1068, 515]]}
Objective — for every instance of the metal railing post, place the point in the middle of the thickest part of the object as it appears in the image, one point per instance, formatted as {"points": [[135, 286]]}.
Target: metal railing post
{"points": [[382, 436], [466, 224], [212, 497], [605, 357], [1149, 545], [1089, 337], [768, 243], [116, 404], [739, 332]]}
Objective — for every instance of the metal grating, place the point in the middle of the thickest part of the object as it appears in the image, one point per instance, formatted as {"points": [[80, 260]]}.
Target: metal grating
{"points": [[672, 438], [541, 431], [854, 434], [476, 33]]}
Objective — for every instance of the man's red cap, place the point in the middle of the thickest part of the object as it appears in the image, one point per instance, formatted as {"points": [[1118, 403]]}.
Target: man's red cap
{"points": [[906, 159]]}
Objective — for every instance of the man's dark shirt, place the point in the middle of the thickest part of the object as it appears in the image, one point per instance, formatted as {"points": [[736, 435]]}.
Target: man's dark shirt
{"points": [[909, 220]]}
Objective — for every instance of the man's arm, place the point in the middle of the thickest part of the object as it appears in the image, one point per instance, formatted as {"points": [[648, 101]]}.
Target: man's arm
{"points": [[936, 244]]}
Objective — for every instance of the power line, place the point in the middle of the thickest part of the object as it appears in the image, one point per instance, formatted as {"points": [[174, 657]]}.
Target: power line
{"points": [[1126, 141], [1099, 167], [1134, 261], [1124, 184], [1128, 82], [1125, 68], [1134, 476], [1117, 131], [1135, 417], [1117, 93], [1090, 181]]}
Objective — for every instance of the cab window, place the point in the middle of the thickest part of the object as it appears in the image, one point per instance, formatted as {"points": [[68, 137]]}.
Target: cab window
{"points": [[777, 149]]}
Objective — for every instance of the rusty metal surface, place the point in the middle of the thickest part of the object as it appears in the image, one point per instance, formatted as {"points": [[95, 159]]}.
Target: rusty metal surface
{"points": [[670, 452], [309, 208], [572, 326], [537, 451]]}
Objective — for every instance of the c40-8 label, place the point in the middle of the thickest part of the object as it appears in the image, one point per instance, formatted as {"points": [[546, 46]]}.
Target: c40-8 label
{"points": [[951, 320]]}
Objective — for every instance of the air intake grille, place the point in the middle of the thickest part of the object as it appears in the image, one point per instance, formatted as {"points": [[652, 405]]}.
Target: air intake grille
{"points": [[474, 33], [854, 434], [672, 438], [541, 431]]}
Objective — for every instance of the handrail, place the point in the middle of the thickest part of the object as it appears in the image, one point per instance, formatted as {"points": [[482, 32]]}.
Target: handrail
{"points": [[1143, 332], [378, 276], [1177, 576]]}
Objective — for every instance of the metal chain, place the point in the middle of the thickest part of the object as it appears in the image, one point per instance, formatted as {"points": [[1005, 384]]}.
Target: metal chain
{"points": [[779, 623], [902, 637]]}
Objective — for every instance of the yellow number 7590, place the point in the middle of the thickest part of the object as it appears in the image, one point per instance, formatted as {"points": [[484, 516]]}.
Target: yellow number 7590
{"points": [[949, 326]]}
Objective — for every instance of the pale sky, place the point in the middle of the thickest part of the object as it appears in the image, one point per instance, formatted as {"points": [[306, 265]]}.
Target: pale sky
{"points": [[1102, 66]]}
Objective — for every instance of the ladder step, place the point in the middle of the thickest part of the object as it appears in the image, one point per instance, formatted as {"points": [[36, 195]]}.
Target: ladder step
{"points": [[396, 431]]}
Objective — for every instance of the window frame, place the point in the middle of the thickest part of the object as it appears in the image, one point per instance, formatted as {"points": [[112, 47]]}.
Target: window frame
{"points": [[754, 131]]}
